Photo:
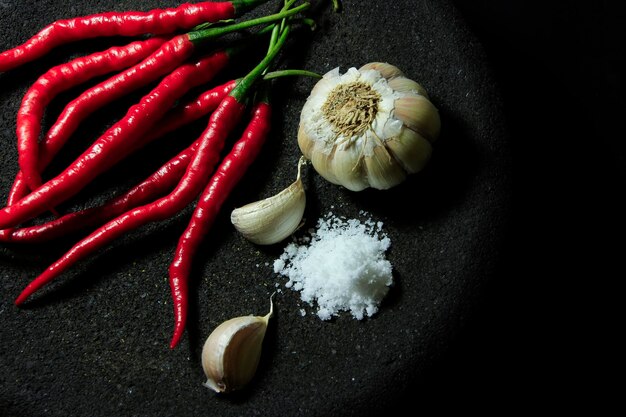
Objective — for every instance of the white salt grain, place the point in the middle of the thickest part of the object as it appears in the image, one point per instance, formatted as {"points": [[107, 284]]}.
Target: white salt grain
{"points": [[341, 267]]}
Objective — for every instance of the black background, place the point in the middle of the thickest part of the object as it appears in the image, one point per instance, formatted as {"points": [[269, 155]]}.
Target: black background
{"points": [[545, 336]]}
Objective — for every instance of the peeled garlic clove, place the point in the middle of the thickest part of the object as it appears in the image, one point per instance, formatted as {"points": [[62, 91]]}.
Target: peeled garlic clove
{"points": [[272, 219], [419, 114], [410, 149], [231, 353]]}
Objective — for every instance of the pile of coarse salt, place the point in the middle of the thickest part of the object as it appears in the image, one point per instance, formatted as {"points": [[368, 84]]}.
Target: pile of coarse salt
{"points": [[341, 266]]}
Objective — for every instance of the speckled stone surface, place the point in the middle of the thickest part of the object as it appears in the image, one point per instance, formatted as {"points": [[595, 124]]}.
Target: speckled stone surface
{"points": [[95, 342]]}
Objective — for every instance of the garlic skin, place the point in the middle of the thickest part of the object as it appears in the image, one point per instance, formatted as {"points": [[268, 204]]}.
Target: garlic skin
{"points": [[275, 218], [369, 127], [231, 353]]}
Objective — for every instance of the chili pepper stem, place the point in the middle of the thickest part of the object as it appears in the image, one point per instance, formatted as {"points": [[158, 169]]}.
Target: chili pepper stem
{"points": [[203, 35], [290, 73], [246, 83]]}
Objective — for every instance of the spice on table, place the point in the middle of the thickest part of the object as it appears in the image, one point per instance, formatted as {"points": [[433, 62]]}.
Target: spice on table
{"points": [[221, 184], [157, 184], [231, 353], [130, 23], [221, 123], [61, 78], [341, 266], [368, 127], [274, 218], [115, 143], [161, 62], [185, 178]]}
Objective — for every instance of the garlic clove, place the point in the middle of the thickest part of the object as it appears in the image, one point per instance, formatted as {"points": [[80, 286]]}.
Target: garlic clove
{"points": [[321, 159], [231, 353], [305, 142], [419, 114], [348, 167], [272, 219], [316, 152], [410, 149], [383, 171], [388, 71], [405, 85]]}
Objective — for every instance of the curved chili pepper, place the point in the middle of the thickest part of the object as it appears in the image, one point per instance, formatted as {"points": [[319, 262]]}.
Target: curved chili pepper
{"points": [[132, 23], [222, 122], [161, 181], [61, 78], [222, 182], [220, 186], [195, 179], [159, 63], [116, 142]]}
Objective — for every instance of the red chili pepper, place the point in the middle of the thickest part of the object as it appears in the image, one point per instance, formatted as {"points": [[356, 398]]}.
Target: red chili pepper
{"points": [[222, 122], [220, 186], [163, 180], [164, 60], [168, 57], [222, 182], [115, 143], [132, 23], [63, 77]]}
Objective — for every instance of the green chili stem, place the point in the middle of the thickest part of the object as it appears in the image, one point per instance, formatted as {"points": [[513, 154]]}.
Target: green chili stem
{"points": [[290, 73], [277, 30], [210, 33], [273, 38], [242, 87], [206, 25]]}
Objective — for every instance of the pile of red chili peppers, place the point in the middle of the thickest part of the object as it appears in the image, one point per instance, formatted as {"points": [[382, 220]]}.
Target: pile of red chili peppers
{"points": [[176, 61]]}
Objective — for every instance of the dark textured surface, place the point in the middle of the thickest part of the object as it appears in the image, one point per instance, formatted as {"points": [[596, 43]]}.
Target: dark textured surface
{"points": [[450, 332], [95, 342]]}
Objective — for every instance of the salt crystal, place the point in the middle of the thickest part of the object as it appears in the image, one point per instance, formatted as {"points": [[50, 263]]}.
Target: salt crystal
{"points": [[340, 267]]}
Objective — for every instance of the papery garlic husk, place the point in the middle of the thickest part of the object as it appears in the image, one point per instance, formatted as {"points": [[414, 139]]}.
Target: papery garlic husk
{"points": [[231, 353], [275, 218], [368, 127]]}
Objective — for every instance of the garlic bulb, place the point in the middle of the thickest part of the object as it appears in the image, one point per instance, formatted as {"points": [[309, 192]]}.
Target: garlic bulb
{"points": [[231, 353], [368, 127], [273, 219]]}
